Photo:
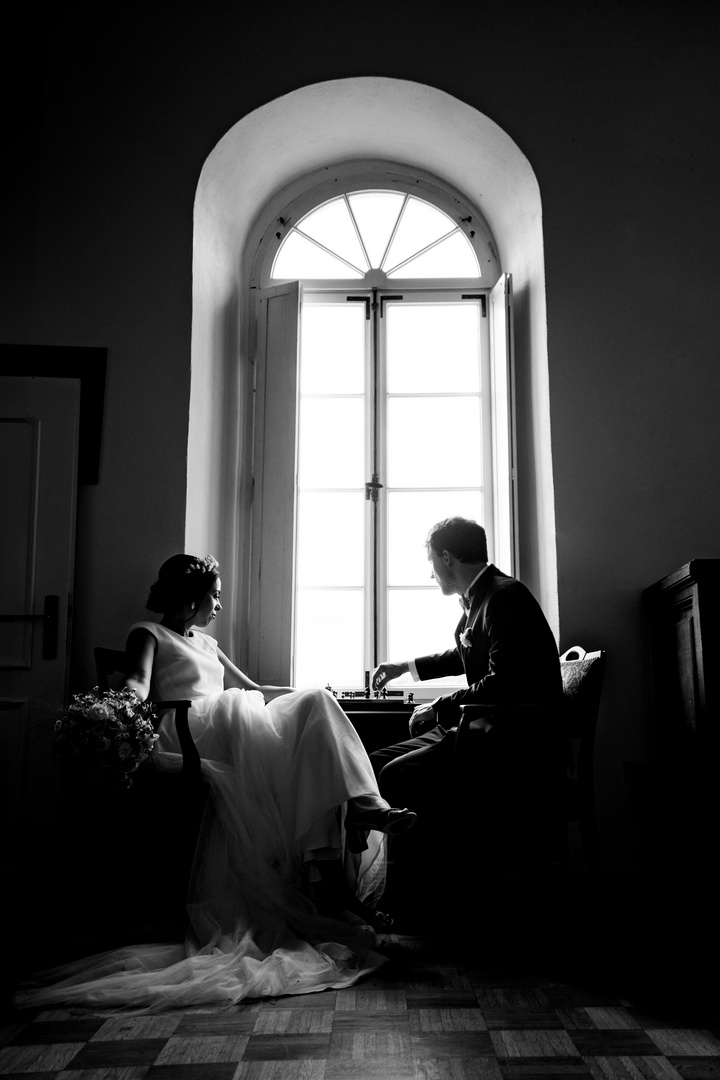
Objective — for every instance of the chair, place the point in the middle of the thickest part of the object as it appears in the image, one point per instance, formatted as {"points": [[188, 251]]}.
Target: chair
{"points": [[535, 795], [167, 807], [111, 662], [583, 674]]}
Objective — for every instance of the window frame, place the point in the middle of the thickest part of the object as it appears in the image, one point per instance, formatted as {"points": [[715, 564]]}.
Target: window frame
{"points": [[376, 607], [271, 592]]}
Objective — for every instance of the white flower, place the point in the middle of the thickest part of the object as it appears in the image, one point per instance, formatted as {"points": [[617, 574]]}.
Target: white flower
{"points": [[203, 566], [466, 639], [98, 711], [114, 725]]}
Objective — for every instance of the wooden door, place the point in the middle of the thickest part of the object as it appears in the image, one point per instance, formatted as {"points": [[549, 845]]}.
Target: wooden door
{"points": [[39, 424]]}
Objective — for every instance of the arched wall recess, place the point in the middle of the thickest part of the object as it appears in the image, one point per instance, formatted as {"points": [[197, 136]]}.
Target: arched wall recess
{"points": [[265, 154]]}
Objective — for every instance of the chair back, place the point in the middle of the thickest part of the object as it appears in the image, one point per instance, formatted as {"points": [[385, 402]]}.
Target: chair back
{"points": [[110, 667], [583, 674], [172, 803]]}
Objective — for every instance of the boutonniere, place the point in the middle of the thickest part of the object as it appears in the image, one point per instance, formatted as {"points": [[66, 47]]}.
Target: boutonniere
{"points": [[466, 637]]}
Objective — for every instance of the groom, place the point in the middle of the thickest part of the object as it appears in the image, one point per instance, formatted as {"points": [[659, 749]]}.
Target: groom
{"points": [[507, 651]]}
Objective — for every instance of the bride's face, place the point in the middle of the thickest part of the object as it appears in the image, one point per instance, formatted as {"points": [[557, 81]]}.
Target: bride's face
{"points": [[209, 607]]}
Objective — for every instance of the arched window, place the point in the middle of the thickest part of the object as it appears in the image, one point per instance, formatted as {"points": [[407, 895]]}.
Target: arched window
{"points": [[383, 404]]}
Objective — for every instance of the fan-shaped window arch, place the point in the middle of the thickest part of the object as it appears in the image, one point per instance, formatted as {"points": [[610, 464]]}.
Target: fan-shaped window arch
{"points": [[376, 223], [396, 233]]}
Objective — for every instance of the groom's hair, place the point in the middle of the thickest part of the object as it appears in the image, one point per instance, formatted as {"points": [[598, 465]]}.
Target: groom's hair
{"points": [[464, 539]]}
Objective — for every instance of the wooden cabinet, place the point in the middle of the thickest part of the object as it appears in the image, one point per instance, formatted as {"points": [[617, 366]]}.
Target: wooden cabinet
{"points": [[684, 623], [681, 794]]}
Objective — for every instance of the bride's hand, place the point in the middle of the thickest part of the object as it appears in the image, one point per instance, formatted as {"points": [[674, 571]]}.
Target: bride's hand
{"points": [[272, 692]]}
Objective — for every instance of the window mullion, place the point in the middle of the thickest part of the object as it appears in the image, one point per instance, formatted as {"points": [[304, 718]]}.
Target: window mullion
{"points": [[368, 519], [381, 541], [373, 494]]}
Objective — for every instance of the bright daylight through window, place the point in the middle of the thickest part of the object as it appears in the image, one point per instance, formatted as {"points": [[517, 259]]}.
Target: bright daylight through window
{"points": [[395, 426]]}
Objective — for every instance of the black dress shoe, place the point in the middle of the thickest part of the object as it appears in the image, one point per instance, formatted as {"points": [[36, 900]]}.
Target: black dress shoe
{"points": [[379, 920]]}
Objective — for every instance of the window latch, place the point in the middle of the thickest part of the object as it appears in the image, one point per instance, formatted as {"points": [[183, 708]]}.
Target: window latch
{"points": [[372, 488]]}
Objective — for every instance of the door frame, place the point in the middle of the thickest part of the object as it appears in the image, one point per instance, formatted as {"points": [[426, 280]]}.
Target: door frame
{"points": [[86, 363]]}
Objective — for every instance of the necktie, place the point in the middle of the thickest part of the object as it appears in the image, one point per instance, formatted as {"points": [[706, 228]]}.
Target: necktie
{"points": [[464, 603]]}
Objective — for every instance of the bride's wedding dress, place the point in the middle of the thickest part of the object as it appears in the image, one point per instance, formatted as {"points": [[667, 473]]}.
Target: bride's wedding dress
{"points": [[280, 774]]}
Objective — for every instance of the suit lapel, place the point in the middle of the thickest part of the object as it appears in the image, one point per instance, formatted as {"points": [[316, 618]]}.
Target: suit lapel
{"points": [[478, 595], [466, 626], [470, 640]]}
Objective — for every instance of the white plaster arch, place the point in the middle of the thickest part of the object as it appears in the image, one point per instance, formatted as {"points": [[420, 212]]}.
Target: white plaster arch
{"points": [[357, 118]]}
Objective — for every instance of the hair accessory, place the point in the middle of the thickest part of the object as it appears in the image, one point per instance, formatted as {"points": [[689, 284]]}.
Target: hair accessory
{"points": [[208, 565]]}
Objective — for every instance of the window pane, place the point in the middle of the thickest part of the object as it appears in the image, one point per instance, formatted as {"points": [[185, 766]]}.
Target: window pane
{"points": [[420, 225], [298, 257], [332, 349], [332, 226], [376, 213], [432, 348], [331, 445], [330, 533], [453, 257], [421, 621], [329, 638], [434, 442], [411, 515]]}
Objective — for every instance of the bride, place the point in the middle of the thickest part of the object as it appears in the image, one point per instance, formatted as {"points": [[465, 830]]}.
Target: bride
{"points": [[291, 856]]}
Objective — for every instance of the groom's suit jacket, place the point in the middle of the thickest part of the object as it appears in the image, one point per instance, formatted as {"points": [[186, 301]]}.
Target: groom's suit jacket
{"points": [[503, 645]]}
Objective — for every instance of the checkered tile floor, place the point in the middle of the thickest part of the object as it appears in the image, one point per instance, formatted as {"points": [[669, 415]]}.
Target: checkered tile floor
{"points": [[427, 1015]]}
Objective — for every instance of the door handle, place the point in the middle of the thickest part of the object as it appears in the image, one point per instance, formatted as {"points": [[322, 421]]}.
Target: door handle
{"points": [[50, 620]]}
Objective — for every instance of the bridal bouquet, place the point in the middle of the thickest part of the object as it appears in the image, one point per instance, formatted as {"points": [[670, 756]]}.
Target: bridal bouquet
{"points": [[112, 729]]}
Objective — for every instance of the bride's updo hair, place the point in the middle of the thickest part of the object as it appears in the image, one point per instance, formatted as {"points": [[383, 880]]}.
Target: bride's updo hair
{"points": [[182, 579]]}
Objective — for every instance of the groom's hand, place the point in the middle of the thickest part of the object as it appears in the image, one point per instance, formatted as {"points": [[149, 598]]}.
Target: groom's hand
{"points": [[385, 673], [422, 719]]}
